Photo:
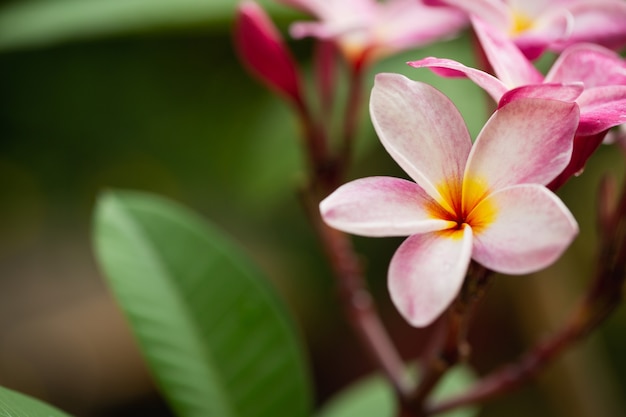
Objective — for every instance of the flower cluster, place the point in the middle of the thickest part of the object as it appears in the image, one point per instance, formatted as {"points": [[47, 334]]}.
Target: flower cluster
{"points": [[492, 200]]}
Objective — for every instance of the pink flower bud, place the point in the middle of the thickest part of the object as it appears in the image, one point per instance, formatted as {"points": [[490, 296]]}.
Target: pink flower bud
{"points": [[263, 51]]}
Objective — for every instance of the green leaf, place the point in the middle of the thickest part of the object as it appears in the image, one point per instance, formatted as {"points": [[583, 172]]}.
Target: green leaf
{"points": [[217, 339], [455, 382], [374, 397], [14, 404], [38, 23], [371, 397]]}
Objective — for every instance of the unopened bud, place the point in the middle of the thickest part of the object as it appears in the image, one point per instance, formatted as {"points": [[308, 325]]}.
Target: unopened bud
{"points": [[262, 49]]}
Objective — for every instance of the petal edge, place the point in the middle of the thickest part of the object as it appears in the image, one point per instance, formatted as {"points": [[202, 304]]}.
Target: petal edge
{"points": [[427, 272]]}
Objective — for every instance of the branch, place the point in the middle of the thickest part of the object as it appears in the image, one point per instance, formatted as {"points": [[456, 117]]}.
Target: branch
{"points": [[357, 301], [450, 342], [351, 116]]}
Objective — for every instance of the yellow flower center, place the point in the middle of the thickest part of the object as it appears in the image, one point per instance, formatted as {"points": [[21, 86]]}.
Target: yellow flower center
{"points": [[352, 50], [521, 23], [464, 204]]}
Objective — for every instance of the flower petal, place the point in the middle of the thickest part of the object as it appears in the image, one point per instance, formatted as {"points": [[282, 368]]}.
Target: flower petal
{"points": [[584, 147], [531, 229], [554, 91], [422, 131], [601, 108], [369, 29], [494, 13], [334, 19], [552, 25], [530, 8], [398, 21], [527, 141], [599, 22], [426, 273], [449, 68], [508, 62], [592, 64], [381, 206], [324, 9]]}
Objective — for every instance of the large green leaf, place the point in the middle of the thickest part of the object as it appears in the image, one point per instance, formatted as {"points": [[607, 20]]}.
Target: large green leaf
{"points": [[374, 397], [216, 338], [14, 404], [30, 23]]}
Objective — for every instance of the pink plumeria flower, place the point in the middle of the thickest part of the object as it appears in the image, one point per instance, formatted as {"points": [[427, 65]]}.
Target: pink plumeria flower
{"points": [[535, 25], [485, 201], [369, 29], [590, 74]]}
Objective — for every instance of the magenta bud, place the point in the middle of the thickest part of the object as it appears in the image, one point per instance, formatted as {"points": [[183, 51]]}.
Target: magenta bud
{"points": [[262, 49]]}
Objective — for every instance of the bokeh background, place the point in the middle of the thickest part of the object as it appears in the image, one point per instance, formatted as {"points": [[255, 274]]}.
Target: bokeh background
{"points": [[149, 95]]}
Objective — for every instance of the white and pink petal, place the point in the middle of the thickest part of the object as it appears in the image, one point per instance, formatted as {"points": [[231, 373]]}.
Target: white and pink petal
{"points": [[508, 62], [422, 131], [381, 206], [449, 68], [532, 8], [327, 10], [553, 25], [591, 64], [529, 231], [529, 140], [397, 28], [554, 91], [334, 19], [427, 272], [494, 13], [600, 22], [601, 108]]}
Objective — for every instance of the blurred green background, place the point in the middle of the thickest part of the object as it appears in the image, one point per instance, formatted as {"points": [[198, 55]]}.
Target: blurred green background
{"points": [[149, 95]]}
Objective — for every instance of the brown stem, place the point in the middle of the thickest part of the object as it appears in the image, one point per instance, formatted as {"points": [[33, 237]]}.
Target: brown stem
{"points": [[357, 302], [351, 117], [602, 297], [450, 345], [325, 61], [606, 205], [322, 167]]}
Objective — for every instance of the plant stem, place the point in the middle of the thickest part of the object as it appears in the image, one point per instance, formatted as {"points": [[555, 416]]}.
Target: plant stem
{"points": [[451, 347], [351, 116], [325, 65], [322, 168], [357, 302]]}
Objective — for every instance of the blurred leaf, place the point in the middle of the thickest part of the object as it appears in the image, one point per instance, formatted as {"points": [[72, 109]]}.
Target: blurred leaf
{"points": [[36, 23], [371, 397], [14, 404], [217, 339], [455, 382], [374, 397]]}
